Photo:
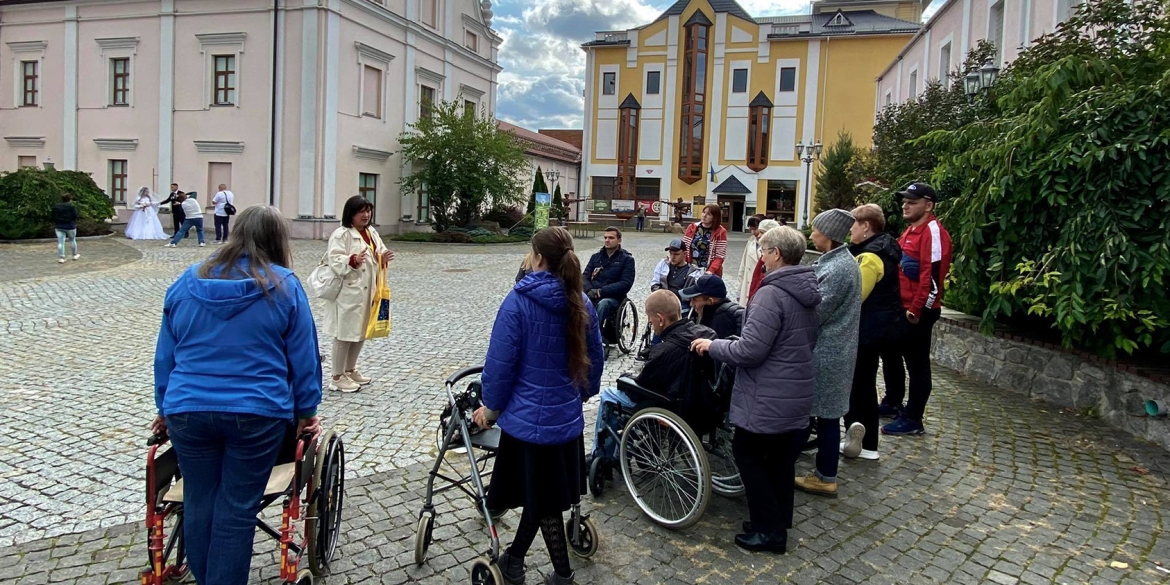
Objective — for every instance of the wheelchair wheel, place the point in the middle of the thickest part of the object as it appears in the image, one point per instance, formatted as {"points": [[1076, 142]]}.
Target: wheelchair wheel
{"points": [[725, 479], [485, 573], [665, 468], [596, 477], [586, 545], [627, 334], [304, 577], [323, 520], [422, 538]]}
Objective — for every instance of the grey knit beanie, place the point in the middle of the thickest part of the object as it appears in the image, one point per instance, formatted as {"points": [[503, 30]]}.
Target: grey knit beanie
{"points": [[834, 223]]}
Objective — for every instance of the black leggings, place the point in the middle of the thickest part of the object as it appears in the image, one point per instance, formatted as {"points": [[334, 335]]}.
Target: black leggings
{"points": [[553, 529]]}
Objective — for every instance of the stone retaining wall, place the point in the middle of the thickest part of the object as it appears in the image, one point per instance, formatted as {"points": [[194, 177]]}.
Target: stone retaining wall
{"points": [[1060, 377]]}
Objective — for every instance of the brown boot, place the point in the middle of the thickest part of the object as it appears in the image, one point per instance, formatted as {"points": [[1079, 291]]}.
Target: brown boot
{"points": [[813, 485]]}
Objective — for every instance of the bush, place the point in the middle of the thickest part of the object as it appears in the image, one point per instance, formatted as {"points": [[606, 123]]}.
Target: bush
{"points": [[522, 231], [506, 217], [27, 197], [451, 236], [457, 236]]}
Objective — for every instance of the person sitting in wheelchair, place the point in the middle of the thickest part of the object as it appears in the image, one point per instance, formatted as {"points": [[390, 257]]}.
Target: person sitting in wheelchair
{"points": [[608, 278], [665, 372], [712, 308], [675, 272]]}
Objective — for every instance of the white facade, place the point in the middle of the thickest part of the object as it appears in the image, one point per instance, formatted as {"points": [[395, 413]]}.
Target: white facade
{"points": [[292, 103]]}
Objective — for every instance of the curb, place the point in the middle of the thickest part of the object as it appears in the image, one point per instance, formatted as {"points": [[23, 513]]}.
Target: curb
{"points": [[54, 240]]}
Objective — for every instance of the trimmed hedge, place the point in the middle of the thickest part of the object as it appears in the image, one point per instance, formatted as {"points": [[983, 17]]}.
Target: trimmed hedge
{"points": [[27, 197]]}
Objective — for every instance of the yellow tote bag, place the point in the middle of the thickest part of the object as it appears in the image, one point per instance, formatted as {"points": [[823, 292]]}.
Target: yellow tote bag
{"points": [[379, 325]]}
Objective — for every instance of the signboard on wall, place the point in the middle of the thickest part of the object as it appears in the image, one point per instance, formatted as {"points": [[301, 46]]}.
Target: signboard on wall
{"points": [[600, 205], [651, 207], [622, 205]]}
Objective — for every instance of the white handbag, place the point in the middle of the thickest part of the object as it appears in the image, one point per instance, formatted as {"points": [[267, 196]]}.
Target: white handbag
{"points": [[323, 282]]}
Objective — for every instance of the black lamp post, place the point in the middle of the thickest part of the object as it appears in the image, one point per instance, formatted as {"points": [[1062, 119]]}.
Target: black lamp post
{"points": [[807, 153], [977, 81]]}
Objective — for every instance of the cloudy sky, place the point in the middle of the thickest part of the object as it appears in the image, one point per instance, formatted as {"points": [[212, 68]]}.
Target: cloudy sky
{"points": [[544, 66]]}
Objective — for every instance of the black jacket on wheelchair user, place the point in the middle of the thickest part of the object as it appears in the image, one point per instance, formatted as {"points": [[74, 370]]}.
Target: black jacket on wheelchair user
{"points": [[614, 274], [726, 319], [677, 373]]}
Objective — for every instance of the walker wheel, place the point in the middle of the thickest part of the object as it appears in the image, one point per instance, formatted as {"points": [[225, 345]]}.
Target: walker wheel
{"points": [[422, 537], [484, 572], [304, 577], [596, 478], [587, 541]]}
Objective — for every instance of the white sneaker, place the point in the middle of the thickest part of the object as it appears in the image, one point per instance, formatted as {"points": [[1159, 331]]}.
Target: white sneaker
{"points": [[60, 261], [168, 245], [356, 376], [868, 455], [77, 256], [851, 446], [344, 384], [201, 244]]}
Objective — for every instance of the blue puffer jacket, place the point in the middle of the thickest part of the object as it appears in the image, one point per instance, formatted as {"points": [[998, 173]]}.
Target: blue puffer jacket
{"points": [[526, 373]]}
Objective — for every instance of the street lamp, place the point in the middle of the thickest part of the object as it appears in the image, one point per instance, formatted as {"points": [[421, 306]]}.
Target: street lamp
{"points": [[977, 81], [49, 164], [552, 175], [807, 153]]}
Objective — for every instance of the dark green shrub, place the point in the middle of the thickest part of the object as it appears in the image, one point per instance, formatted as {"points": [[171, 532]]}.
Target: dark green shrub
{"points": [[451, 236], [27, 197]]}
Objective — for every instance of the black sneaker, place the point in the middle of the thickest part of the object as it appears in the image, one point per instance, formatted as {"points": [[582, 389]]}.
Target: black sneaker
{"points": [[890, 410]]}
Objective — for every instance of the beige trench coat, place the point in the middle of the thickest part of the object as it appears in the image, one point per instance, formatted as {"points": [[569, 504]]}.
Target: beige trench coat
{"points": [[347, 317], [747, 266]]}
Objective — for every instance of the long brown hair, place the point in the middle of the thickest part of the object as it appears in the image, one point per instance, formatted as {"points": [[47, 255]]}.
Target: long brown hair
{"points": [[555, 244], [261, 234]]}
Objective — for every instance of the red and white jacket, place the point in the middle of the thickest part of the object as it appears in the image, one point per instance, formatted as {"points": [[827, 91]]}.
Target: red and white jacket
{"points": [[926, 259], [717, 251]]}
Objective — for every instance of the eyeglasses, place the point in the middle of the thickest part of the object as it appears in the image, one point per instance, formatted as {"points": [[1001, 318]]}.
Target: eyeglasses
{"points": [[769, 249]]}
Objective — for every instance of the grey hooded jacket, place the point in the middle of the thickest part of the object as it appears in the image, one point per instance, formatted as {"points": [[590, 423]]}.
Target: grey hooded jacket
{"points": [[775, 382]]}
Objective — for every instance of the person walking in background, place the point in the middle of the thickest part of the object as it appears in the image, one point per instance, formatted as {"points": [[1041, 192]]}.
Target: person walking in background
{"points": [[926, 259], [356, 254], [773, 392], [177, 216], [839, 312], [227, 412], [193, 218], [641, 219], [144, 224], [757, 275], [222, 200], [544, 360], [751, 255], [706, 241], [65, 224], [881, 324]]}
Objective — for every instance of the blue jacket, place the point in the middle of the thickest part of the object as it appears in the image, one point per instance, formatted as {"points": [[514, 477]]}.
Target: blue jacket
{"points": [[526, 373], [615, 274], [226, 346]]}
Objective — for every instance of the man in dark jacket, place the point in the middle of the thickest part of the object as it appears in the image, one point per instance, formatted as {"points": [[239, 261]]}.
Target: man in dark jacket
{"points": [[708, 296], [65, 224], [609, 276], [666, 370], [177, 215]]}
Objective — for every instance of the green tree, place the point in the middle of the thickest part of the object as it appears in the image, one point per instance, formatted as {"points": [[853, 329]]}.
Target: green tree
{"points": [[465, 163], [558, 205], [27, 197], [1061, 211], [538, 186], [836, 179]]}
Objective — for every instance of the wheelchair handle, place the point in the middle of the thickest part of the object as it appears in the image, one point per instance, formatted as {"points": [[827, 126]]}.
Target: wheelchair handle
{"points": [[157, 439], [461, 374]]}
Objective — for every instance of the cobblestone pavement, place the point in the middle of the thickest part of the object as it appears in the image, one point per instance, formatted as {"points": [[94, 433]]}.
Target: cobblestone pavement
{"points": [[1001, 490]]}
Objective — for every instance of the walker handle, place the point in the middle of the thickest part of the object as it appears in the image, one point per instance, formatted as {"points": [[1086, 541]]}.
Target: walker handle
{"points": [[461, 374], [156, 439]]}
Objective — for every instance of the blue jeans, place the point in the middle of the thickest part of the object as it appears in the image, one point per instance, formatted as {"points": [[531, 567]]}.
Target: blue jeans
{"points": [[225, 459], [607, 417], [61, 235], [828, 447], [189, 223], [641, 223], [604, 308]]}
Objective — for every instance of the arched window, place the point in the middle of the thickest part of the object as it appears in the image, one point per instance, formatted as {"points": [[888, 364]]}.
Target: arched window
{"points": [[627, 147], [690, 148], [759, 132]]}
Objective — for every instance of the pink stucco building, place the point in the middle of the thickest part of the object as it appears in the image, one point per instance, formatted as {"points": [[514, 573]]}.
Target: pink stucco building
{"points": [[293, 103], [957, 26]]}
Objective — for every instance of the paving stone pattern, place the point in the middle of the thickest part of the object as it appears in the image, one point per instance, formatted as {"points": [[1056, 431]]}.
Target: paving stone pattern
{"points": [[1001, 490]]}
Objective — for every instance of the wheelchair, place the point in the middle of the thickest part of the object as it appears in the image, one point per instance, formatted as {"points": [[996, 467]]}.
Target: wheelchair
{"points": [[621, 328], [464, 396], [309, 477], [674, 451]]}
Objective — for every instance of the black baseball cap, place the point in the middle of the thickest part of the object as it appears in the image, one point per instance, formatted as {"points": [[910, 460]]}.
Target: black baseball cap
{"points": [[708, 284], [675, 245], [918, 191]]}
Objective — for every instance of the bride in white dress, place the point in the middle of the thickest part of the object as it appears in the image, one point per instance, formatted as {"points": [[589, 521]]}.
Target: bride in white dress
{"points": [[144, 224]]}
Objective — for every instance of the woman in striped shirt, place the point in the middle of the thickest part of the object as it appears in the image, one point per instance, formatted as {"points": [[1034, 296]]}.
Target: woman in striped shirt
{"points": [[706, 241]]}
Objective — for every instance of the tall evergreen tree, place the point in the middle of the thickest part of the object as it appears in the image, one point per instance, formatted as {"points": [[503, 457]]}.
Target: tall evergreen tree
{"points": [[538, 186], [557, 204], [837, 176]]}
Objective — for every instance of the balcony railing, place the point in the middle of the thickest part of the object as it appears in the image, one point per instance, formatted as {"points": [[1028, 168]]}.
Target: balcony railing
{"points": [[612, 36]]}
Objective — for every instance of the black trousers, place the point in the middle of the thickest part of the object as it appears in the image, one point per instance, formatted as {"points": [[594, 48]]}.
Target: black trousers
{"points": [[767, 466], [221, 224], [177, 218], [913, 350], [863, 401]]}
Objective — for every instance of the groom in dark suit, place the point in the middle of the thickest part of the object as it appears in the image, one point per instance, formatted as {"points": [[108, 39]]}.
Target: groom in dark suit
{"points": [[177, 215]]}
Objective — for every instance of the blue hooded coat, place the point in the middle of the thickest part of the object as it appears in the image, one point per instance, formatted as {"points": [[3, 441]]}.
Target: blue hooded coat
{"points": [[526, 373], [230, 346]]}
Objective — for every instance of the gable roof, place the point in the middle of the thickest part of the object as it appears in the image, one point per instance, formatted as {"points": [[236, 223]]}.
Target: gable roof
{"points": [[731, 186], [630, 103], [537, 144], [729, 6], [857, 22]]}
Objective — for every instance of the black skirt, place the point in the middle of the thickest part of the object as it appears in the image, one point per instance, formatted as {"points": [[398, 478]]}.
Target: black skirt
{"points": [[546, 479]]}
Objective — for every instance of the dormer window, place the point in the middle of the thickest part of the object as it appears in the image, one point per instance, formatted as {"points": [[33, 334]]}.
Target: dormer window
{"points": [[839, 19]]}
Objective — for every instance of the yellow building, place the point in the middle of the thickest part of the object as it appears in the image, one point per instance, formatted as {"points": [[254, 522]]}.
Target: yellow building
{"points": [[708, 103]]}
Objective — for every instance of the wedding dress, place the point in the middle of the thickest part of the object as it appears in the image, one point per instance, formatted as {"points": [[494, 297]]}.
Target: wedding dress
{"points": [[144, 224]]}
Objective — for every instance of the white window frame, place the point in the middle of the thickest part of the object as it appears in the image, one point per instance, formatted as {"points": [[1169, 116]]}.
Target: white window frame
{"points": [[1000, 49], [914, 91], [118, 48], [368, 56], [427, 78], [889, 98], [471, 94], [603, 83], [747, 79], [27, 51], [944, 65], [214, 45], [787, 98]]}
